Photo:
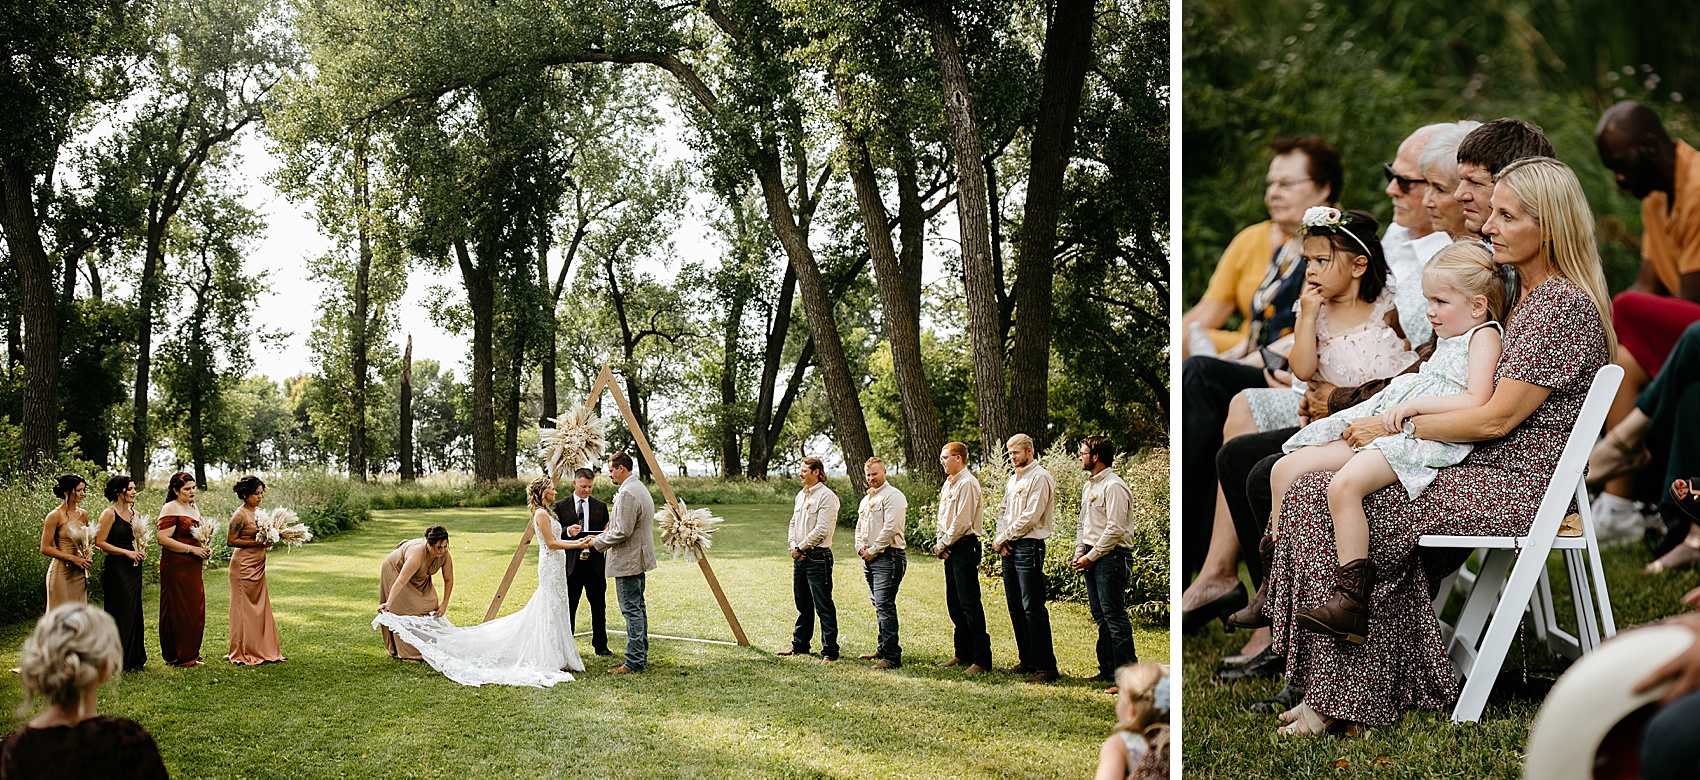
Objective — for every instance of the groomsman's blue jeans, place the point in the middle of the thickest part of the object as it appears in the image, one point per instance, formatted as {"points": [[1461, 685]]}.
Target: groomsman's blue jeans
{"points": [[885, 574], [811, 587], [1024, 589], [962, 599], [1106, 592], [629, 590]]}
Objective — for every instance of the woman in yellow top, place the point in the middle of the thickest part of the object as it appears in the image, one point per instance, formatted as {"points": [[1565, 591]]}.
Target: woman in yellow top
{"points": [[1260, 276]]}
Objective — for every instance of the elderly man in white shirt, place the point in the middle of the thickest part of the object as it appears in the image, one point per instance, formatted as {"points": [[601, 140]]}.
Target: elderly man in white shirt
{"points": [[1102, 553], [1412, 238], [879, 540], [1024, 523], [813, 518], [958, 545]]}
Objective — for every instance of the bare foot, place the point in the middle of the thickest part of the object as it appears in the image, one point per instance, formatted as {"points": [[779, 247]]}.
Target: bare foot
{"points": [[1680, 557], [1260, 640]]}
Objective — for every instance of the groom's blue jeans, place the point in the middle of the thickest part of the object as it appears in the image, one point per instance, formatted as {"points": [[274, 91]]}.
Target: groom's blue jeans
{"points": [[629, 590], [884, 574]]}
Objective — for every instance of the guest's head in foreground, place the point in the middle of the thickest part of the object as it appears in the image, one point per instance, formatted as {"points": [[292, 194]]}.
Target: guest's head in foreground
{"points": [[1139, 747], [1541, 225], [1633, 143], [1343, 252], [1305, 172], [1483, 154], [73, 651], [1439, 166]]}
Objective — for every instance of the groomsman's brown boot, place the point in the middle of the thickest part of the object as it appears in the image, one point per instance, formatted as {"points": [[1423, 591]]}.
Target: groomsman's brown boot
{"points": [[1252, 615], [1346, 613]]}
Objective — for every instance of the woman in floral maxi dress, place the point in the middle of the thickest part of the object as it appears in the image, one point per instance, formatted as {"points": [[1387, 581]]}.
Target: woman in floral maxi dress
{"points": [[1557, 337]]}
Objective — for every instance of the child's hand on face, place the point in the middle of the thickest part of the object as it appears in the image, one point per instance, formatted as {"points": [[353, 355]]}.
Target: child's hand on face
{"points": [[1311, 300]]}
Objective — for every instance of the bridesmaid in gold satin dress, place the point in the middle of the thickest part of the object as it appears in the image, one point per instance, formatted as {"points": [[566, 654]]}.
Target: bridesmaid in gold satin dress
{"points": [[253, 632], [405, 586], [67, 571]]}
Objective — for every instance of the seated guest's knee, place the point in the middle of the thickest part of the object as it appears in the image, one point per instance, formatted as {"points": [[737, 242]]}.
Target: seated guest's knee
{"points": [[1670, 747]]}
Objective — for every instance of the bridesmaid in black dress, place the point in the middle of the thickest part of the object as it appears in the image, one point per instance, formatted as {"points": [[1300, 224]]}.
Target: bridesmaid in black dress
{"points": [[121, 574]]}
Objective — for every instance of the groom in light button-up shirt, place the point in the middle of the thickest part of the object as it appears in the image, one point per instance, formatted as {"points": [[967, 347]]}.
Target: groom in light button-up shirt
{"points": [[879, 540], [809, 536], [1024, 523]]}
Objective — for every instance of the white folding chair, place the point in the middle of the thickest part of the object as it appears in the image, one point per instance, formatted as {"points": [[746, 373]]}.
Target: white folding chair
{"points": [[1512, 576]]}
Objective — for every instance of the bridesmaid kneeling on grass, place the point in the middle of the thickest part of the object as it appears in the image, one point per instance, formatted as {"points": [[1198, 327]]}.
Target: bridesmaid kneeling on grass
{"points": [[253, 632], [182, 595], [405, 586]]}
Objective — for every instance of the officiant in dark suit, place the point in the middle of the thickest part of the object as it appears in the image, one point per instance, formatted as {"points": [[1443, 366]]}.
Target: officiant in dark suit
{"points": [[585, 567]]}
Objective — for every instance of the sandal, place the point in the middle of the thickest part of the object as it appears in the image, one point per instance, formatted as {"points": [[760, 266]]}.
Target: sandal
{"points": [[1690, 544], [1613, 457]]}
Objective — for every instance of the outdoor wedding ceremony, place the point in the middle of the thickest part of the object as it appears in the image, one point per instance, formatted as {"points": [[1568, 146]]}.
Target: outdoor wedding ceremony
{"points": [[1441, 280], [817, 355]]}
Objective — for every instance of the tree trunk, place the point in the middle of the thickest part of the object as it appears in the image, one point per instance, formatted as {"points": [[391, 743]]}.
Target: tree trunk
{"points": [[979, 281], [514, 389], [761, 444], [357, 465], [404, 447], [40, 435], [550, 404], [1068, 52], [923, 438], [480, 296], [729, 466], [841, 389]]}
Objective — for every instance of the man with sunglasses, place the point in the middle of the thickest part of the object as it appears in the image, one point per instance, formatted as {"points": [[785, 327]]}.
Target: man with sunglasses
{"points": [[1411, 240]]}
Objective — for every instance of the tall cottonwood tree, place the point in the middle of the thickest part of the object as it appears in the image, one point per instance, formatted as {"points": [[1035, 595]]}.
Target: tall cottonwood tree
{"points": [[60, 60], [210, 72]]}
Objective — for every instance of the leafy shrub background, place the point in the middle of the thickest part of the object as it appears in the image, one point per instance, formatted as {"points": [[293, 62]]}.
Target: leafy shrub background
{"points": [[1364, 75]]}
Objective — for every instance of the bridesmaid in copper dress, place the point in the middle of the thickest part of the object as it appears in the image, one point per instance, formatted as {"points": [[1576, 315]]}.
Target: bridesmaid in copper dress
{"points": [[121, 572], [67, 572], [405, 586], [182, 595], [253, 632]]}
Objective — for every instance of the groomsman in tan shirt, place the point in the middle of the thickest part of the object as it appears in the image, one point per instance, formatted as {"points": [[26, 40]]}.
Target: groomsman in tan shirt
{"points": [[879, 540], [1024, 523], [1103, 554], [813, 518], [958, 545]]}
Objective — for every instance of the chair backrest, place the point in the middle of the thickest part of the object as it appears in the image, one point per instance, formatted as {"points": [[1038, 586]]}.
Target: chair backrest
{"points": [[1567, 478]]}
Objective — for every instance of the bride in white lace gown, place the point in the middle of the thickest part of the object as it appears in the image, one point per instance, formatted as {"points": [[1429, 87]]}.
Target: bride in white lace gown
{"points": [[533, 646]]}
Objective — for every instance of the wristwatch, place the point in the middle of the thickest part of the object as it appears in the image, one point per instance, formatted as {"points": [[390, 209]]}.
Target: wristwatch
{"points": [[1411, 427]]}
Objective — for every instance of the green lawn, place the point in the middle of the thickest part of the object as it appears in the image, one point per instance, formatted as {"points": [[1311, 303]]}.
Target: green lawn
{"points": [[341, 707], [1221, 740]]}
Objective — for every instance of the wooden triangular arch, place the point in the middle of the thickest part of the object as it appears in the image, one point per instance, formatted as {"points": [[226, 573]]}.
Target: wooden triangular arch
{"points": [[605, 381]]}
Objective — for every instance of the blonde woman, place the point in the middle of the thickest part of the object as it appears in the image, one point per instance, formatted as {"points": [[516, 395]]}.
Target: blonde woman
{"points": [[533, 646], [68, 570], [74, 651], [1557, 336]]}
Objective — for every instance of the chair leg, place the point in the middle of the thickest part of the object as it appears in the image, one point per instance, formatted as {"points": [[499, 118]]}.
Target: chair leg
{"points": [[1484, 596]]}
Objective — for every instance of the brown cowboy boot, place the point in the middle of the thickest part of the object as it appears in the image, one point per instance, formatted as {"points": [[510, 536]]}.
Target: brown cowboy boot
{"points": [[1252, 616], [1346, 613]]}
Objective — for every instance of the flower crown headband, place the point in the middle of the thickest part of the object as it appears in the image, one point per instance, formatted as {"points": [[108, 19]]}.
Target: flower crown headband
{"points": [[1333, 219]]}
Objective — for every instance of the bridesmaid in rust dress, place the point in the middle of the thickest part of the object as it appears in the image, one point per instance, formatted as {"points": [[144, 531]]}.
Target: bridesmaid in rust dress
{"points": [[121, 573], [67, 572], [253, 633], [182, 595], [405, 586]]}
